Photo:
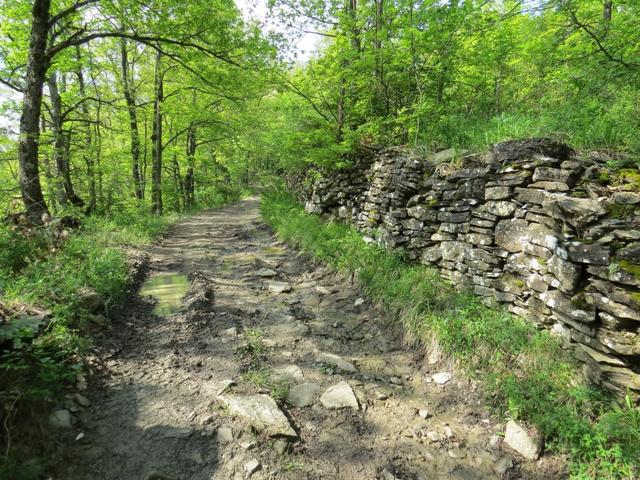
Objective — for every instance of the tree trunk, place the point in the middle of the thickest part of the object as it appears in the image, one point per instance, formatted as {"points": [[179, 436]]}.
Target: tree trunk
{"points": [[156, 140], [189, 180], [37, 65], [88, 153], [133, 121], [60, 149], [607, 11]]}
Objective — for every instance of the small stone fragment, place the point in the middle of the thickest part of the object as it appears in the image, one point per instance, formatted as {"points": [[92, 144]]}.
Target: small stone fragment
{"points": [[281, 446], [526, 444], [252, 466], [336, 361], [423, 413], [266, 273], [359, 301], [224, 435], [442, 378], [303, 395], [278, 287], [290, 373], [262, 411], [339, 396], [60, 419]]}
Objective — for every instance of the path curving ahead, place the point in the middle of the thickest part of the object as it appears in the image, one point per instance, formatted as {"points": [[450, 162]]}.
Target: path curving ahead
{"points": [[162, 407]]}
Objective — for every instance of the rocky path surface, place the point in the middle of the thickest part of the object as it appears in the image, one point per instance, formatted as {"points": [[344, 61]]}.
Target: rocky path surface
{"points": [[275, 368]]}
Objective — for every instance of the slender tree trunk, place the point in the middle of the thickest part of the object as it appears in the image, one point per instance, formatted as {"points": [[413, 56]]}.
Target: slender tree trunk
{"points": [[67, 193], [180, 186], [189, 180], [156, 140], [133, 121], [50, 180], [380, 99], [340, 109], [37, 65], [88, 153], [607, 10]]}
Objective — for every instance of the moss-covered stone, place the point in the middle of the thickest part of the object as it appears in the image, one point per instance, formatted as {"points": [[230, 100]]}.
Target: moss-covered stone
{"points": [[632, 268], [630, 177], [621, 212]]}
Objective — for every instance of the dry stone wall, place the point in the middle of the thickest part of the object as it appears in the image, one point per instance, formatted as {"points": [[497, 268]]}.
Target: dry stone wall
{"points": [[529, 225]]}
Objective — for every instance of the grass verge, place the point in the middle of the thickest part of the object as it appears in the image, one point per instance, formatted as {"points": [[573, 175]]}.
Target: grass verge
{"points": [[526, 372]]}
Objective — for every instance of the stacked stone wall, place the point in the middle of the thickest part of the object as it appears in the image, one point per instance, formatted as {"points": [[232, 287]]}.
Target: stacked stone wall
{"points": [[529, 225]]}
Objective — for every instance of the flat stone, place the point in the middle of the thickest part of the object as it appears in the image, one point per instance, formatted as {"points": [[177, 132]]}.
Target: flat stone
{"points": [[552, 186], [526, 444], [626, 198], [281, 446], [441, 378], [278, 287], [262, 411], [359, 301], [60, 419], [336, 361], [546, 174], [339, 396], [594, 253], [224, 435], [229, 332], [497, 193], [303, 395], [576, 211], [252, 466], [512, 235], [290, 373], [567, 273], [323, 290], [500, 208], [602, 302], [266, 273]]}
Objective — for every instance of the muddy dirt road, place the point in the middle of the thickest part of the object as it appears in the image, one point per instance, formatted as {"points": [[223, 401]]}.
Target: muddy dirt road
{"points": [[190, 395]]}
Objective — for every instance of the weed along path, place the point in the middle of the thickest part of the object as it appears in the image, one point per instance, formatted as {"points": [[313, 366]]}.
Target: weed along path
{"points": [[272, 367]]}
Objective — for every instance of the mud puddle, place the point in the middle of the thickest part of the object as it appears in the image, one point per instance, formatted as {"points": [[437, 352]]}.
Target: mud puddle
{"points": [[168, 289]]}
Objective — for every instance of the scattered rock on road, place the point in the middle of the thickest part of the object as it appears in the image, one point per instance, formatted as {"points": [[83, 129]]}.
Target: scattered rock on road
{"points": [[441, 378], [339, 396], [262, 411], [278, 287], [529, 445], [303, 395], [336, 361]]}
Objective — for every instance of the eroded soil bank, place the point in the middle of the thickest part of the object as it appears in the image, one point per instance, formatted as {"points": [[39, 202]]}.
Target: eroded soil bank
{"points": [[187, 396]]}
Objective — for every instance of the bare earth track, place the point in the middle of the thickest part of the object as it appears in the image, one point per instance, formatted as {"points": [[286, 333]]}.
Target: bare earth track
{"points": [[155, 410]]}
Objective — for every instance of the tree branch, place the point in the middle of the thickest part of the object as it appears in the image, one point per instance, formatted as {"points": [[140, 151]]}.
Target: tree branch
{"points": [[152, 41], [599, 45], [70, 11]]}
